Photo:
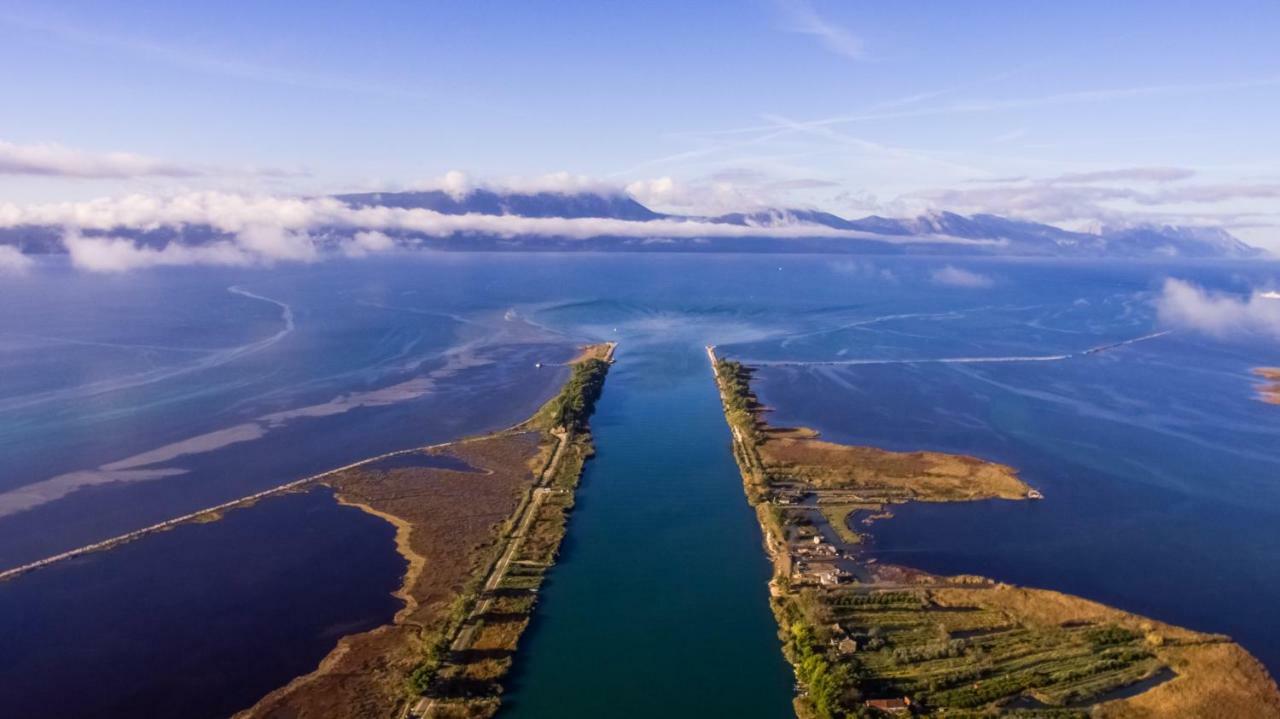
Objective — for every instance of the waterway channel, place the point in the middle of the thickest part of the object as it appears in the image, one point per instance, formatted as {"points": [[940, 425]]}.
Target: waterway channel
{"points": [[659, 604]]}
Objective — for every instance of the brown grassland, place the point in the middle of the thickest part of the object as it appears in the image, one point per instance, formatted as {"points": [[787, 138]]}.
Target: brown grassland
{"points": [[476, 542], [920, 476], [445, 520]]}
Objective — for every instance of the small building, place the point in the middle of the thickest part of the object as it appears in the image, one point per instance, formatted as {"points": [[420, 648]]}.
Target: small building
{"points": [[847, 646], [898, 705], [788, 497], [832, 576]]}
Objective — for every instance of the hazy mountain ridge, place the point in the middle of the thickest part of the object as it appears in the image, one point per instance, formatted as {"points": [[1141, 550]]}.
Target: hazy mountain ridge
{"points": [[995, 235], [487, 202]]}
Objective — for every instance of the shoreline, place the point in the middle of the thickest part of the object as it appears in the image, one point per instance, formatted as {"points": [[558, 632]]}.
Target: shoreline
{"points": [[416, 562], [434, 659], [207, 514], [215, 512], [840, 666]]}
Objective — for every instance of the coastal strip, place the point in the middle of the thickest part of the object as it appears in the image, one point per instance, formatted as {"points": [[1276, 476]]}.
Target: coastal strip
{"points": [[867, 639], [206, 514], [479, 533], [209, 513]]}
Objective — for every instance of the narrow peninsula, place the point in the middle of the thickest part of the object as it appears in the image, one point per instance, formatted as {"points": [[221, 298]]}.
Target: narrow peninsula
{"points": [[867, 639], [479, 522]]}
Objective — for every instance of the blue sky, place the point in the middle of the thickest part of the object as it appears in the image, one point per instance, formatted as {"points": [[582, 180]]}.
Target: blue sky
{"points": [[1073, 113]]}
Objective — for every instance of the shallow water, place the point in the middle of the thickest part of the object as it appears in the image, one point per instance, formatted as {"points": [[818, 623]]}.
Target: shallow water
{"points": [[222, 397]]}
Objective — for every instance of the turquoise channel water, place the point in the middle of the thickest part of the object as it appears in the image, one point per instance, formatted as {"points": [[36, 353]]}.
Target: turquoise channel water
{"points": [[658, 606]]}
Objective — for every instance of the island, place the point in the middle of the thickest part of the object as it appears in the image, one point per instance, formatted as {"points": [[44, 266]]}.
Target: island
{"points": [[479, 522], [1269, 388], [868, 639]]}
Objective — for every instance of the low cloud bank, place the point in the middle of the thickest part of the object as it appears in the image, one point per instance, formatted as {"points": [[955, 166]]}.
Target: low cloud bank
{"points": [[53, 160], [12, 261], [367, 243], [114, 254], [952, 276], [58, 161], [264, 229], [1185, 305], [459, 184]]}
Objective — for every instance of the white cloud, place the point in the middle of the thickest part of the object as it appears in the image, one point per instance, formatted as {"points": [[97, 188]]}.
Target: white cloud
{"points": [[454, 183], [114, 254], [253, 245], [233, 213], [12, 261], [367, 243], [272, 242], [54, 160], [1124, 196], [953, 276], [711, 196], [459, 184], [59, 161], [1188, 306], [1141, 174], [734, 189], [263, 229]]}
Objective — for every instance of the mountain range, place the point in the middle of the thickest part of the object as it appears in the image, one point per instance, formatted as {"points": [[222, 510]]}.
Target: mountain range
{"points": [[1010, 236], [935, 233]]}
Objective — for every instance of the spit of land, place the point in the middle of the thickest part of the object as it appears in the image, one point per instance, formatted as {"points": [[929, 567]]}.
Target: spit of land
{"points": [[868, 639]]}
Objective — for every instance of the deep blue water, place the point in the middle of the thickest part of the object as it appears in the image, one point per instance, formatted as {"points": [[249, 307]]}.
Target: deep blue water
{"points": [[1159, 467], [199, 621]]}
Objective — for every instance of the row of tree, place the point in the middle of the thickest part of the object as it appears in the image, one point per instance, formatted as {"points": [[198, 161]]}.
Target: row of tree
{"points": [[577, 399]]}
